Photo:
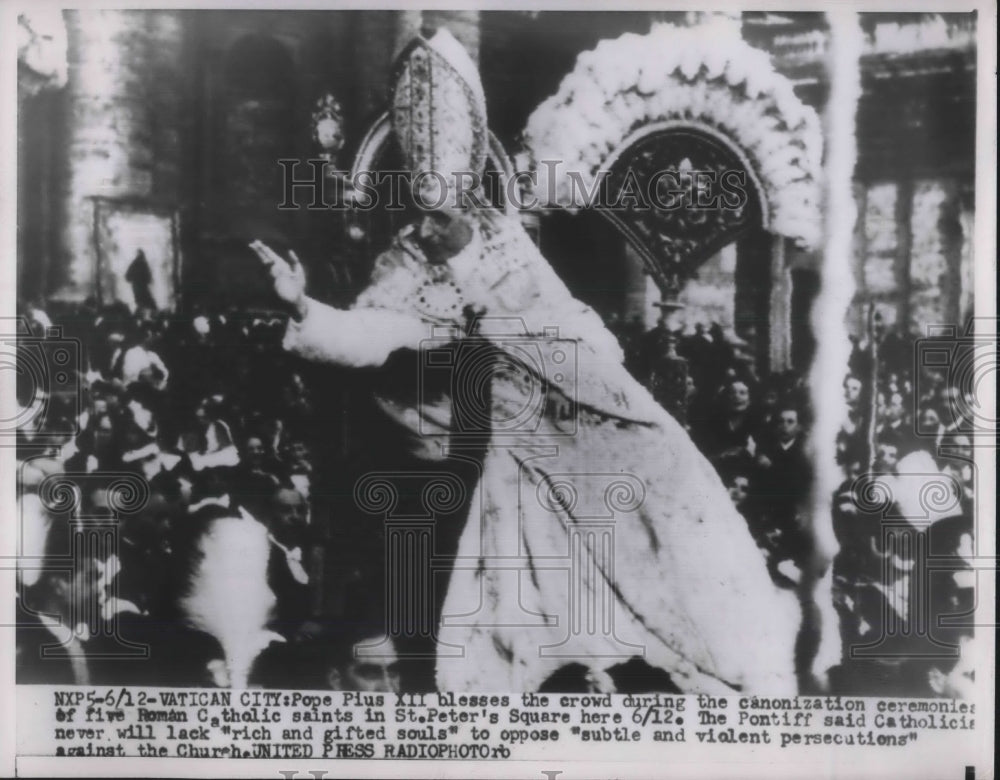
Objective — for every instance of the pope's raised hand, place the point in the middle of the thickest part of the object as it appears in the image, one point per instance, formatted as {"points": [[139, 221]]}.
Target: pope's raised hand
{"points": [[288, 276]]}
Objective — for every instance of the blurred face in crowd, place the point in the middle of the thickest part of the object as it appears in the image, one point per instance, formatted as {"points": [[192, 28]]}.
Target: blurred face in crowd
{"points": [[880, 405], [896, 410], [852, 390], [202, 415], [887, 458], [738, 397], [929, 420], [290, 509], [853, 469], [959, 682], [690, 389], [770, 399], [297, 455], [295, 394], [738, 488], [103, 437], [147, 334], [788, 425], [961, 446], [376, 672], [254, 452]]}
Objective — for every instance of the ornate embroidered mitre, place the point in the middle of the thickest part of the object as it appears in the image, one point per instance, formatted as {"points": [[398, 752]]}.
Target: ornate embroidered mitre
{"points": [[439, 108]]}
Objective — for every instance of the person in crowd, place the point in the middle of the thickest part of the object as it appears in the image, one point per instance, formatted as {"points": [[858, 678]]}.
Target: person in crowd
{"points": [[256, 478], [297, 461], [765, 410], [140, 363], [371, 664], [929, 426], [852, 397], [895, 424], [209, 441], [732, 430], [886, 457], [783, 488], [696, 348], [738, 487], [287, 520], [955, 679], [956, 459]]}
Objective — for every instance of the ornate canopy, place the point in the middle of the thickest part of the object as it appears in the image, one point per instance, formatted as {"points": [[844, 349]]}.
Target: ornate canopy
{"points": [[683, 101]]}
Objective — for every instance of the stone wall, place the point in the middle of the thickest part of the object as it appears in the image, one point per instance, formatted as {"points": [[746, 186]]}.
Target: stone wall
{"points": [[122, 127]]}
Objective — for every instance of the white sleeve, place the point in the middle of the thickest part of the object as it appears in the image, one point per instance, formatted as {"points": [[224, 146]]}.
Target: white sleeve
{"points": [[355, 338]]}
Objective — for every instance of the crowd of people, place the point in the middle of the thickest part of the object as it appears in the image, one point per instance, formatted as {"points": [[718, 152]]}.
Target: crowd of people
{"points": [[213, 421], [212, 416], [904, 582]]}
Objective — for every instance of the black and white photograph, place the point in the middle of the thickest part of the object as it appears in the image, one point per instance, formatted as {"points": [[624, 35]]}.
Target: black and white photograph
{"points": [[533, 385]]}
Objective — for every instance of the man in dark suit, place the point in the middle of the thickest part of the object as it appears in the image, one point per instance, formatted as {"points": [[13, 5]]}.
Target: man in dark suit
{"points": [[783, 487]]}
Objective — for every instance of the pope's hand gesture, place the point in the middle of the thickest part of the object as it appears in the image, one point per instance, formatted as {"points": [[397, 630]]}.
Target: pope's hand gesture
{"points": [[288, 276]]}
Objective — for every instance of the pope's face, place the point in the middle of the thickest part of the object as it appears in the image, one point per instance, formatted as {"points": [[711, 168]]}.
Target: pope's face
{"points": [[443, 233]]}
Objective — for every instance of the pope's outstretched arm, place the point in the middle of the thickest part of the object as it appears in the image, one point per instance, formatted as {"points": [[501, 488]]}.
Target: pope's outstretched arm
{"points": [[357, 338]]}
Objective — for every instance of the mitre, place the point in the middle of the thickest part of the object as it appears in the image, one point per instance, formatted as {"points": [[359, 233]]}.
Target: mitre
{"points": [[438, 109]]}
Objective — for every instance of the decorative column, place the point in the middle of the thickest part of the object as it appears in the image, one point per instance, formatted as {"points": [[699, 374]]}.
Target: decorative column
{"points": [[780, 308], [668, 371], [858, 316], [904, 250], [41, 75], [951, 232], [833, 347], [634, 304]]}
